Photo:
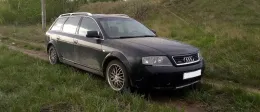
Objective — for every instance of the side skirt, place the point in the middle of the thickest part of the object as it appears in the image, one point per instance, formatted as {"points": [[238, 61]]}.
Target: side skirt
{"points": [[71, 63]]}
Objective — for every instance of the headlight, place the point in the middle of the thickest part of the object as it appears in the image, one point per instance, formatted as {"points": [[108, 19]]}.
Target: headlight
{"points": [[156, 61]]}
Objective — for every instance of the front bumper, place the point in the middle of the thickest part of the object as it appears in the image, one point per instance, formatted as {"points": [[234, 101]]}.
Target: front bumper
{"points": [[165, 77]]}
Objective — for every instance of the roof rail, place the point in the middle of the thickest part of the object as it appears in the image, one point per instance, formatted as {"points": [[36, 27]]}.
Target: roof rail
{"points": [[119, 15], [76, 13], [113, 15]]}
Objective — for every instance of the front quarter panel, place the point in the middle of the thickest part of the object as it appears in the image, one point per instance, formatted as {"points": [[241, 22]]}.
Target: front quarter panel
{"points": [[128, 54], [118, 55]]}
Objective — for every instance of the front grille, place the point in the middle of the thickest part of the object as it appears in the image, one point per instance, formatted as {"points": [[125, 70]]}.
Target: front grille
{"points": [[186, 60]]}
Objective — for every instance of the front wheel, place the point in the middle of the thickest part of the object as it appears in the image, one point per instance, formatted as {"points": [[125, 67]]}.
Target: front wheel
{"points": [[117, 76]]}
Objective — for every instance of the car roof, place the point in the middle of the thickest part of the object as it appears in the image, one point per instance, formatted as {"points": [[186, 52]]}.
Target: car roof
{"points": [[110, 15], [94, 15]]}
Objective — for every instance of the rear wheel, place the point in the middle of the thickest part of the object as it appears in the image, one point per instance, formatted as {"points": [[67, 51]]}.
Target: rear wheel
{"points": [[53, 56], [117, 76]]}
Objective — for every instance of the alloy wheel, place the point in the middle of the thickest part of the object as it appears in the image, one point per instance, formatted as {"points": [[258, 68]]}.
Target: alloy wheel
{"points": [[53, 58], [116, 77]]}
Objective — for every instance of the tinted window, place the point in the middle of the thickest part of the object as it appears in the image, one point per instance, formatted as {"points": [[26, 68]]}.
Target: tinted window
{"points": [[57, 26], [71, 25], [87, 24], [124, 27]]}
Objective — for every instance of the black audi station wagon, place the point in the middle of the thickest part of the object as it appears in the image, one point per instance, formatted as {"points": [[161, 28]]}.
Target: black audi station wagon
{"points": [[124, 51]]}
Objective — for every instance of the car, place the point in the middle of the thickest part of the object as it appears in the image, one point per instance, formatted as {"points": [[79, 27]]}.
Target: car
{"points": [[124, 51]]}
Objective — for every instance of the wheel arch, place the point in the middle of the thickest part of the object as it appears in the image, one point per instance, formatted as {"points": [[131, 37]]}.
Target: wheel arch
{"points": [[116, 56], [52, 43], [48, 46]]}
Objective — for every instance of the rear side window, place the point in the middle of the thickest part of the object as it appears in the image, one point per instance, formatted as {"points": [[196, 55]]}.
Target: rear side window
{"points": [[57, 26], [71, 25], [87, 24]]}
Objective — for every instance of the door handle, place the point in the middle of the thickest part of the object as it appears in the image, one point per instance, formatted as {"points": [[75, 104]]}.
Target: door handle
{"points": [[76, 41]]}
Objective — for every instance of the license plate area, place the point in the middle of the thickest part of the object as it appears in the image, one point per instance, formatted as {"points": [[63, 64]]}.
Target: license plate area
{"points": [[189, 75]]}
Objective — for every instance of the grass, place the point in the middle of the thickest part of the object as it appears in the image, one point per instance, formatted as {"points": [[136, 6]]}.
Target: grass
{"points": [[28, 37], [222, 31], [29, 84], [226, 99], [228, 35], [3, 7], [30, 34], [22, 44], [227, 32]]}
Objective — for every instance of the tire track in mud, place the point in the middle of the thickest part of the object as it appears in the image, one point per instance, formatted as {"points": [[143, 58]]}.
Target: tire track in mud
{"points": [[36, 54]]}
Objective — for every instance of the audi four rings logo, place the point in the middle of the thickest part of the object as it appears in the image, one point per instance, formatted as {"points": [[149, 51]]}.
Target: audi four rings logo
{"points": [[188, 59]]}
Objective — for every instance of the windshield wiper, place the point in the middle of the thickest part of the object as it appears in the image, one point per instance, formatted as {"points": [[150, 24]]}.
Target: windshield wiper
{"points": [[147, 36], [127, 36], [137, 36]]}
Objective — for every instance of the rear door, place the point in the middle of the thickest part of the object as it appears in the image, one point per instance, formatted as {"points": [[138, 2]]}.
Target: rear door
{"points": [[66, 39], [55, 32], [88, 51]]}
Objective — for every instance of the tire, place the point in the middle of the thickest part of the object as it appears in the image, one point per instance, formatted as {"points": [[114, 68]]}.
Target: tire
{"points": [[53, 56], [117, 77]]}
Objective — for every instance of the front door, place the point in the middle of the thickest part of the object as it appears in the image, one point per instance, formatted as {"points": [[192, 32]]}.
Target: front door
{"points": [[88, 50]]}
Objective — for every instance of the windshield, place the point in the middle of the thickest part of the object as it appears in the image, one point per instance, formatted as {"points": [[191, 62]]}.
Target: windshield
{"points": [[124, 28]]}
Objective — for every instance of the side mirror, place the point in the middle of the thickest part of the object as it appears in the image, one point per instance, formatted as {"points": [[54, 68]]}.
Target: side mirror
{"points": [[93, 34], [154, 31]]}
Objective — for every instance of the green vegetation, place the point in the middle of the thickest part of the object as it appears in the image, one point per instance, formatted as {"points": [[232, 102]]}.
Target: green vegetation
{"points": [[29, 11], [28, 37], [228, 35], [226, 99], [33, 34], [29, 84], [227, 32]]}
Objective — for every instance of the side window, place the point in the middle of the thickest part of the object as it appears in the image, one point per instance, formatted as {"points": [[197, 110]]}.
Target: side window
{"points": [[87, 24], [57, 26], [71, 25]]}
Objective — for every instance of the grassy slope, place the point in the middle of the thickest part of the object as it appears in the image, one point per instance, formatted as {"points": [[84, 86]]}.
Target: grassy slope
{"points": [[213, 37], [233, 49], [227, 32], [29, 84], [228, 35]]}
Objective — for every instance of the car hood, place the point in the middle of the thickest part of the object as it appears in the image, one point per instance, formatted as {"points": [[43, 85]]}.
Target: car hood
{"points": [[169, 47]]}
